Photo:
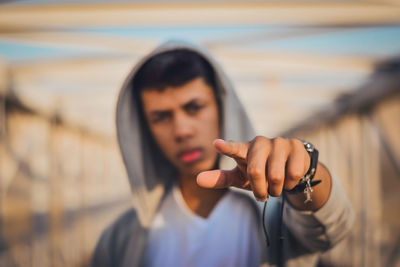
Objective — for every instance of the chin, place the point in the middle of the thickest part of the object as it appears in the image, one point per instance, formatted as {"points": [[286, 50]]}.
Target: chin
{"points": [[201, 166]]}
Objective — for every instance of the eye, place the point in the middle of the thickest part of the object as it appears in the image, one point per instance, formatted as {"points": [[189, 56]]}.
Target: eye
{"points": [[193, 108], [160, 117]]}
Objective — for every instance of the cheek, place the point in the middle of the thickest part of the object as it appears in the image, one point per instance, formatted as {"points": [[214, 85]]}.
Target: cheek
{"points": [[209, 131], [212, 126], [163, 139]]}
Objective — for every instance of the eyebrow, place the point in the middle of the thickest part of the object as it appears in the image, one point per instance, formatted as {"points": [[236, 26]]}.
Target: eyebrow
{"points": [[185, 105], [159, 112], [191, 102]]}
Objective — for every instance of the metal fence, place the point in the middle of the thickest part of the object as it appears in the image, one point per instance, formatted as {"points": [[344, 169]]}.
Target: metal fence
{"points": [[59, 188], [358, 136]]}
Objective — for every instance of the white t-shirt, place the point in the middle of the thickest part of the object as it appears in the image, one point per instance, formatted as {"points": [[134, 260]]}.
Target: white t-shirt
{"points": [[228, 237]]}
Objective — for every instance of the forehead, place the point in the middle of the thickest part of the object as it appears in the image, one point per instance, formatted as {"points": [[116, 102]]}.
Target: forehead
{"points": [[173, 97]]}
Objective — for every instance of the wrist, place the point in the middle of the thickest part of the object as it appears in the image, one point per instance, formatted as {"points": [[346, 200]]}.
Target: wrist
{"points": [[306, 182], [320, 193]]}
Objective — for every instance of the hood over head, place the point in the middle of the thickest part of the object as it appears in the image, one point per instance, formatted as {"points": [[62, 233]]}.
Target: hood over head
{"points": [[150, 174]]}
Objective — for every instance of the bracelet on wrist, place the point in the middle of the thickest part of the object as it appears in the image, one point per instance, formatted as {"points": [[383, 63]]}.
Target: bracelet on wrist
{"points": [[306, 182]]}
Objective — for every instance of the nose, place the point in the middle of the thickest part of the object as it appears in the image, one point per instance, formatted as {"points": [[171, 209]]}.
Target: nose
{"points": [[183, 128]]}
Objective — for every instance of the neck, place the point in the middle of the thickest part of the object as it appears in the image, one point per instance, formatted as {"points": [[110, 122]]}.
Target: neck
{"points": [[200, 200]]}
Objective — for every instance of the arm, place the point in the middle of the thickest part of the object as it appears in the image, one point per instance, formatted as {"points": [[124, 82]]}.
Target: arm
{"points": [[267, 167], [320, 192], [321, 229]]}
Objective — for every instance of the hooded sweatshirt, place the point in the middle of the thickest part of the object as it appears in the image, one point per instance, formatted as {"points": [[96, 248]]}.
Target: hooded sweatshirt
{"points": [[295, 237]]}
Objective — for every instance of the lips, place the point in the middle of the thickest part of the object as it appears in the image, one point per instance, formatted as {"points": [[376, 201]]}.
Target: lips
{"points": [[190, 155]]}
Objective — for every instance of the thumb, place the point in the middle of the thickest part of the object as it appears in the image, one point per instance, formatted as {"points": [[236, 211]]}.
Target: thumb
{"points": [[221, 179]]}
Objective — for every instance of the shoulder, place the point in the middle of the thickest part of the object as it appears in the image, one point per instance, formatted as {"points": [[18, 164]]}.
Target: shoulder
{"points": [[124, 220], [121, 228], [114, 238]]}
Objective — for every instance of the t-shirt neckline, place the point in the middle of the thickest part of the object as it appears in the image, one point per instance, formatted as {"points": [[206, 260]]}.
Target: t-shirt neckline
{"points": [[180, 201]]}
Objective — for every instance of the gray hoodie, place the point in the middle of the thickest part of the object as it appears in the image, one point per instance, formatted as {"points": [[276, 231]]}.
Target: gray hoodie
{"points": [[296, 237]]}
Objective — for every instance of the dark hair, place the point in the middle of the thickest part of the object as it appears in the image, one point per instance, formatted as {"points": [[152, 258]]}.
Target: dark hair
{"points": [[173, 68], [170, 69]]}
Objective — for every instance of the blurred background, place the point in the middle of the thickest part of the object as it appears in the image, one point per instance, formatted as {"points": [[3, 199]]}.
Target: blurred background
{"points": [[324, 70]]}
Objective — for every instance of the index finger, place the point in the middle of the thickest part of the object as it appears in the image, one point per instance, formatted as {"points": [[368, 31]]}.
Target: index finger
{"points": [[235, 150]]}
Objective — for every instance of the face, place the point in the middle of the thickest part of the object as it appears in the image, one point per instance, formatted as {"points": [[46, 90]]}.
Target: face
{"points": [[184, 122]]}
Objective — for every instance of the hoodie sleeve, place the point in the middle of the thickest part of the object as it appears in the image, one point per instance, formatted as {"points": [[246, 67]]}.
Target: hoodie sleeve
{"points": [[322, 229]]}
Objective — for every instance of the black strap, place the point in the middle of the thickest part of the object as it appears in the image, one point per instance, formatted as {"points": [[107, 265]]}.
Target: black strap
{"points": [[313, 165]]}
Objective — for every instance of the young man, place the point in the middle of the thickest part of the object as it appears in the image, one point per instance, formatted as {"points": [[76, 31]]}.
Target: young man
{"points": [[173, 109]]}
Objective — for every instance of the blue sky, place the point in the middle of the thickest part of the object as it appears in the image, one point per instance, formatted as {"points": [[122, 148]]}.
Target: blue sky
{"points": [[372, 41]]}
